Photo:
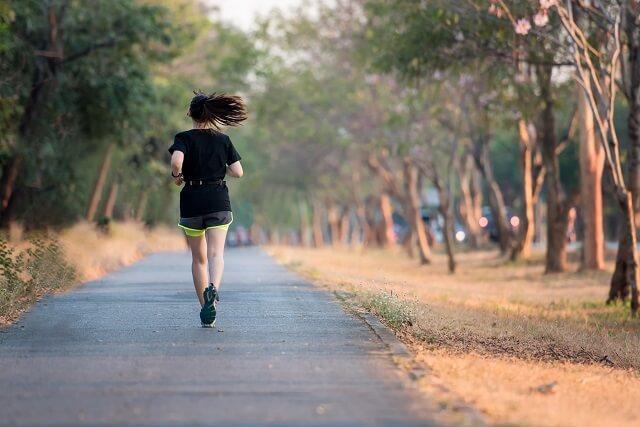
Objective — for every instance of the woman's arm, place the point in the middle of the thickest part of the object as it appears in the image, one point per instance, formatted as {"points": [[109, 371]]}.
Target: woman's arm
{"points": [[235, 170], [176, 167]]}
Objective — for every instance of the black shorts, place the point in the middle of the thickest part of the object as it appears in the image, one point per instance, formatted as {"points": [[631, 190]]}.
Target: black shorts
{"points": [[197, 225]]}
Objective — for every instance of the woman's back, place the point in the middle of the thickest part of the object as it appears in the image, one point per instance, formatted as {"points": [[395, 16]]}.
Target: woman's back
{"points": [[207, 153]]}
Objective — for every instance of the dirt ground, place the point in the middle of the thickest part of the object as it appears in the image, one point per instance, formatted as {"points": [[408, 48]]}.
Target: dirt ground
{"points": [[520, 346]]}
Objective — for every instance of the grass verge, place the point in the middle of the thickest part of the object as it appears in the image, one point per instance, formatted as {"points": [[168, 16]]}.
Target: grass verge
{"points": [[520, 346]]}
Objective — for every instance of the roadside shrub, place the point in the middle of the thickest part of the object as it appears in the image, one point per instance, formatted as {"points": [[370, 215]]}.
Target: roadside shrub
{"points": [[397, 312], [29, 273]]}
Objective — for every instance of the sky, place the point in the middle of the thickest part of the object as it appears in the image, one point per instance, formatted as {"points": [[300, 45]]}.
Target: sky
{"points": [[242, 12]]}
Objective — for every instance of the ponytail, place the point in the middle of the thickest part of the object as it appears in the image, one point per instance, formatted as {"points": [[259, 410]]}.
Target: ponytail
{"points": [[217, 109]]}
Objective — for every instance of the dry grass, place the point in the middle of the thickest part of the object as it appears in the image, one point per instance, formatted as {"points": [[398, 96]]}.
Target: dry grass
{"points": [[515, 391], [94, 253], [85, 253], [496, 331]]}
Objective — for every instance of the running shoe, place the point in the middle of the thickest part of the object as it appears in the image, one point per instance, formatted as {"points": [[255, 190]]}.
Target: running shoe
{"points": [[208, 311]]}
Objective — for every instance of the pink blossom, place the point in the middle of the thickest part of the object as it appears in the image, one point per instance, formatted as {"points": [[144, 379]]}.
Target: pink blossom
{"points": [[522, 26], [496, 10], [547, 4], [541, 18]]}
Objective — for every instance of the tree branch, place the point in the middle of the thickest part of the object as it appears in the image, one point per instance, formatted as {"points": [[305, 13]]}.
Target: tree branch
{"points": [[89, 49]]}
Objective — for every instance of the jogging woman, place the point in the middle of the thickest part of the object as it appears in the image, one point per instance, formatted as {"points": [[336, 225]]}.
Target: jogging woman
{"points": [[200, 159]]}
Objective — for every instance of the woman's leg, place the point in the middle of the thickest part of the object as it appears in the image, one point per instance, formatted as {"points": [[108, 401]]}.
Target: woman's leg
{"points": [[198, 246], [215, 253]]}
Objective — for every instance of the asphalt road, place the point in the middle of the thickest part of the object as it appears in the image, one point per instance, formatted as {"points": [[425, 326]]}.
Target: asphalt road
{"points": [[128, 350]]}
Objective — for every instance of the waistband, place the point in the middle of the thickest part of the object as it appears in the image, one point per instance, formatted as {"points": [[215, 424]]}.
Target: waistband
{"points": [[204, 182]]}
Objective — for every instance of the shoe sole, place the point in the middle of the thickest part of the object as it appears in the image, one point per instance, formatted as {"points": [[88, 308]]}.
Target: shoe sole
{"points": [[210, 299], [210, 302], [209, 326]]}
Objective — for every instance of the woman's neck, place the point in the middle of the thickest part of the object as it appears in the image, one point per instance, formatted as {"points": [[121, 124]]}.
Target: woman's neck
{"points": [[201, 125]]}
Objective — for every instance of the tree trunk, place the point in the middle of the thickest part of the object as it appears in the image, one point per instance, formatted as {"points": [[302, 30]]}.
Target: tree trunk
{"points": [[414, 207], [410, 240], [318, 235], [625, 275], [333, 218], [9, 179], [386, 227], [99, 185], [632, 80], [142, 205], [305, 239], [447, 214], [256, 234], [496, 201], [127, 212], [470, 201], [274, 237], [556, 256], [365, 228], [522, 248], [591, 169], [344, 225], [372, 207], [111, 200], [476, 192]]}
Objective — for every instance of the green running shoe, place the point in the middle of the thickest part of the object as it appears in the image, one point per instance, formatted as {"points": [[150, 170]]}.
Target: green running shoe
{"points": [[208, 311]]}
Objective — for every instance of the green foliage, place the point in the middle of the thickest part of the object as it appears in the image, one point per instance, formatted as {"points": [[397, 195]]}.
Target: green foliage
{"points": [[78, 77], [110, 73]]}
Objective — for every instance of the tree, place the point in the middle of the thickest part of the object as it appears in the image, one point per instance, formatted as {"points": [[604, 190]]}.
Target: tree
{"points": [[91, 87], [463, 35], [439, 150], [591, 169], [596, 74], [81, 73]]}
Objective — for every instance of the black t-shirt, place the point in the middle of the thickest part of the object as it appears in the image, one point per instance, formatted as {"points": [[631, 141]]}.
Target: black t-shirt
{"points": [[206, 156]]}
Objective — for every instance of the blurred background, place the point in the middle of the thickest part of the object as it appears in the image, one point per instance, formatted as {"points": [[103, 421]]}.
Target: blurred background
{"points": [[454, 125], [390, 144], [342, 95], [457, 125], [348, 99]]}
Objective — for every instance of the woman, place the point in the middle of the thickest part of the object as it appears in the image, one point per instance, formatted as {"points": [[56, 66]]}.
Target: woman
{"points": [[200, 159]]}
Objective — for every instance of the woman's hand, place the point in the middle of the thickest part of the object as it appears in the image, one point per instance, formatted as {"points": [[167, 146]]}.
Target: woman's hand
{"points": [[177, 158]]}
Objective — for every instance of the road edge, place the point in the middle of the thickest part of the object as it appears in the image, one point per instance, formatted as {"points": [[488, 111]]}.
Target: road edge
{"points": [[403, 358], [410, 371]]}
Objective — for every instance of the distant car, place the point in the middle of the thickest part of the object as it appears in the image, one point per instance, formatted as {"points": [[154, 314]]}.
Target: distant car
{"points": [[437, 226], [490, 227], [434, 223]]}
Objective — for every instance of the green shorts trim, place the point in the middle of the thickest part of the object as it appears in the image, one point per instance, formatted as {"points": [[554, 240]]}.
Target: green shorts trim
{"points": [[196, 226], [191, 232]]}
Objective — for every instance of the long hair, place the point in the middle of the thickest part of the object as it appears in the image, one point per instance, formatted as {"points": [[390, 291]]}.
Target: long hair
{"points": [[217, 109]]}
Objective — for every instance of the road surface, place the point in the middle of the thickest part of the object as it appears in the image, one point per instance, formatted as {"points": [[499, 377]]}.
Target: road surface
{"points": [[128, 350]]}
